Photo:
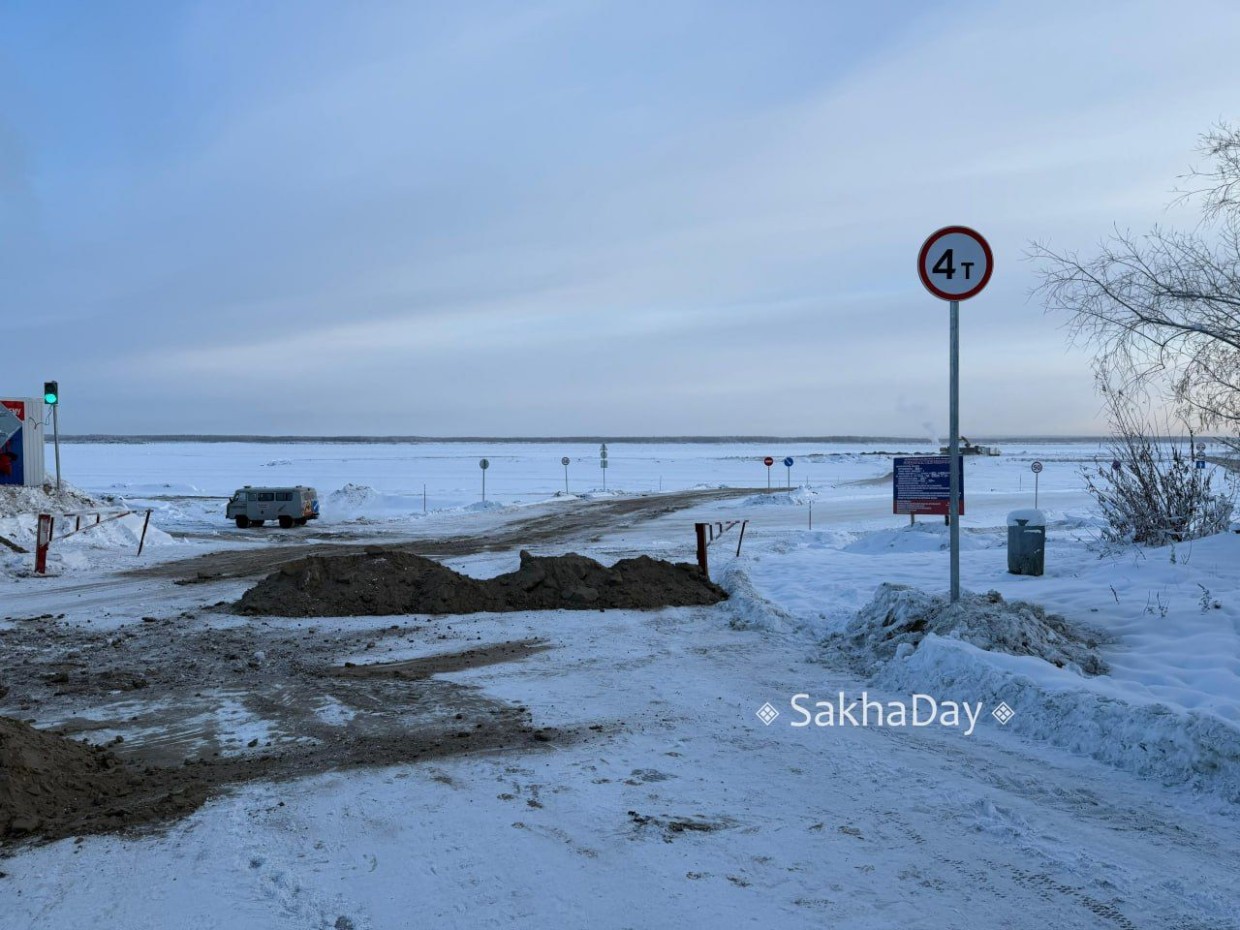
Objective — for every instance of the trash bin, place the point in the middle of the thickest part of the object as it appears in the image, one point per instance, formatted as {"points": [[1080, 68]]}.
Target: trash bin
{"points": [[1026, 542]]}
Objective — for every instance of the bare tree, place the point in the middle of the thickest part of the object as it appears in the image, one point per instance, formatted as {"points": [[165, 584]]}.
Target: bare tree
{"points": [[1163, 309], [1156, 495]]}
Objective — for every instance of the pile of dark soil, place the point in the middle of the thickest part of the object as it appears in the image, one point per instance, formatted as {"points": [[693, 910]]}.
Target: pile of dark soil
{"points": [[53, 786], [382, 582]]}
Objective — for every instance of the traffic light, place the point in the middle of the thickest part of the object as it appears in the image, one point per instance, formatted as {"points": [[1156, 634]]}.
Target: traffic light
{"points": [[51, 393]]}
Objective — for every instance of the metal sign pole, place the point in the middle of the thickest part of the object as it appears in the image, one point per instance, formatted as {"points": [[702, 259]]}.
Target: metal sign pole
{"points": [[1035, 490], [953, 451]]}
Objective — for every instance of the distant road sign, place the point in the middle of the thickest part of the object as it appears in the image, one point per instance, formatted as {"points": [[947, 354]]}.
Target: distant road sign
{"points": [[768, 461], [564, 461], [1201, 463], [484, 464], [602, 463], [1115, 464], [788, 462], [955, 263], [1036, 467], [922, 484]]}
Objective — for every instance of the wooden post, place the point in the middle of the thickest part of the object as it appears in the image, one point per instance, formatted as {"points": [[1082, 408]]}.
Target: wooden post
{"points": [[145, 524], [744, 523], [700, 530]]}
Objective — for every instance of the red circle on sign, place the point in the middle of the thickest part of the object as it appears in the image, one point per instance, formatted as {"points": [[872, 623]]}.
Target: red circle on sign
{"points": [[929, 244], [768, 461]]}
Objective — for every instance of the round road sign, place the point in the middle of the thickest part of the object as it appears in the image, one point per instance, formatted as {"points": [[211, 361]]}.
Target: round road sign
{"points": [[768, 461], [1035, 467], [955, 263], [484, 464], [564, 461], [1115, 464], [788, 462]]}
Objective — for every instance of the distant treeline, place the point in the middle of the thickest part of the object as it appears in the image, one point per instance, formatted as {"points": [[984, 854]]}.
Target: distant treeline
{"points": [[679, 440]]}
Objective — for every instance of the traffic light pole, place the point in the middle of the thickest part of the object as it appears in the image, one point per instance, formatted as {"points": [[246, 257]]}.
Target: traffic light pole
{"points": [[56, 440]]}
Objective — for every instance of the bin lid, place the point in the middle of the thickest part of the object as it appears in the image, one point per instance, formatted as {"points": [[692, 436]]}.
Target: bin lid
{"points": [[1026, 517]]}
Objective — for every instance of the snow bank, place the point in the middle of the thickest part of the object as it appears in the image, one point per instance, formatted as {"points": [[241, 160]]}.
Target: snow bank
{"points": [[362, 502], [923, 537], [19, 517], [900, 617], [797, 497], [1089, 716], [1048, 672]]}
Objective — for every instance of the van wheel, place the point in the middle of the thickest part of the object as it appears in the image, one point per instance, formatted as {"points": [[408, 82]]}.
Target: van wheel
{"points": [[286, 523], [243, 522]]}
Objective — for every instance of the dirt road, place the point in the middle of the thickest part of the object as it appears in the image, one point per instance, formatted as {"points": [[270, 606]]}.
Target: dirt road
{"points": [[583, 523]]}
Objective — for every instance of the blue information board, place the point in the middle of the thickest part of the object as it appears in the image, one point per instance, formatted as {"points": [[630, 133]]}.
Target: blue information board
{"points": [[922, 484]]}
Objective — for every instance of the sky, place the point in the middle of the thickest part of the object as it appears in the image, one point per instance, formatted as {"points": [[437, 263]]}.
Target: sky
{"points": [[573, 218]]}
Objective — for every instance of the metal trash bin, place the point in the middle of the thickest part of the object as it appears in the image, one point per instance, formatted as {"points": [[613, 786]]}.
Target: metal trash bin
{"points": [[1026, 542]]}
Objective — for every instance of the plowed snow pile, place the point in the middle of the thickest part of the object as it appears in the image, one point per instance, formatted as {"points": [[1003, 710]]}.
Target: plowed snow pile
{"points": [[383, 582], [899, 617], [53, 786]]}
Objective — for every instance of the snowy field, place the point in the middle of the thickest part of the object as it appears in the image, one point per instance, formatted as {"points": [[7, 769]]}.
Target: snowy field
{"points": [[1107, 800]]}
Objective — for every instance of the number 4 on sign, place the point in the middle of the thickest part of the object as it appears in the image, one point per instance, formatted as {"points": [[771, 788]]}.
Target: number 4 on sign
{"points": [[947, 268]]}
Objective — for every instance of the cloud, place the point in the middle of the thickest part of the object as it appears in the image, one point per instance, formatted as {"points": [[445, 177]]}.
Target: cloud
{"points": [[683, 224]]}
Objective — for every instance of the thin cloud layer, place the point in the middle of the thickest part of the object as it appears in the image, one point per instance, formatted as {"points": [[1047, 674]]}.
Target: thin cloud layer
{"points": [[571, 218]]}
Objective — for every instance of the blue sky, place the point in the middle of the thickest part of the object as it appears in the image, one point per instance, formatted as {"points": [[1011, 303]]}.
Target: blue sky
{"points": [[570, 218]]}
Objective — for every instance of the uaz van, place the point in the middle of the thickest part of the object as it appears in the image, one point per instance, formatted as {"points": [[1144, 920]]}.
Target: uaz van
{"points": [[290, 506]]}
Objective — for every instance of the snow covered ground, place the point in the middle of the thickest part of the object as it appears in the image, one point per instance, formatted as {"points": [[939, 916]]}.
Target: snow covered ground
{"points": [[1107, 800]]}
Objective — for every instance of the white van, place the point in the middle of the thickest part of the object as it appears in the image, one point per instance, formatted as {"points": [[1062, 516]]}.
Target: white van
{"points": [[252, 506]]}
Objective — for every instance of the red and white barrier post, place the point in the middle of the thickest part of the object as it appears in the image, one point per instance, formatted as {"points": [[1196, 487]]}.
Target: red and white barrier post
{"points": [[43, 542]]}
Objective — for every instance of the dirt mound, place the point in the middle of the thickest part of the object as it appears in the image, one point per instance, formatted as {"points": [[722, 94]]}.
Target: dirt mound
{"points": [[53, 786], [899, 618], [382, 582]]}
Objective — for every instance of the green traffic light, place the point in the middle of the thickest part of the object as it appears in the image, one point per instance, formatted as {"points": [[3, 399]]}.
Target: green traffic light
{"points": [[50, 398]]}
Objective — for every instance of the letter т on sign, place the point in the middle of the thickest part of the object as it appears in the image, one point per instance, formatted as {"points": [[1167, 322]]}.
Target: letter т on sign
{"points": [[955, 263]]}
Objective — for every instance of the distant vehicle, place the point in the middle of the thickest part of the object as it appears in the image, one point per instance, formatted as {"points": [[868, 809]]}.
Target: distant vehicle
{"points": [[289, 506], [968, 448]]}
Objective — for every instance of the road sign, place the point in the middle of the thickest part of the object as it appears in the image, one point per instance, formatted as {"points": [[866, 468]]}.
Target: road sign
{"points": [[768, 461], [788, 462], [955, 263], [1036, 468], [1201, 463], [922, 484], [1115, 464], [564, 461], [602, 463], [484, 464]]}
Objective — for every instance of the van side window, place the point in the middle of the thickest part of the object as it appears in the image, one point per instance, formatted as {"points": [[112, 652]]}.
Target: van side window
{"points": [[283, 496], [266, 496], [251, 496]]}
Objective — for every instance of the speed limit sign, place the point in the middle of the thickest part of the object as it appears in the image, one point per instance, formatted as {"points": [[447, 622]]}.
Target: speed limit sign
{"points": [[955, 263], [1036, 468]]}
